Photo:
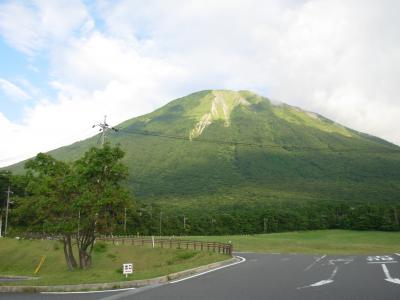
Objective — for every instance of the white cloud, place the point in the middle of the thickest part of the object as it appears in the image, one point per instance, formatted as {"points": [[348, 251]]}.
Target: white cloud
{"points": [[33, 25], [102, 76], [12, 91]]}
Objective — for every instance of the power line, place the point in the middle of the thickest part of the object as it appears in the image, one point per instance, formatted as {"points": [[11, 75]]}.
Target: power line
{"points": [[289, 148]]}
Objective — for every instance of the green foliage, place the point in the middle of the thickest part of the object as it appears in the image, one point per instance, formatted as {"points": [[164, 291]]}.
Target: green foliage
{"points": [[100, 247], [75, 198], [187, 255], [102, 199], [311, 172]]}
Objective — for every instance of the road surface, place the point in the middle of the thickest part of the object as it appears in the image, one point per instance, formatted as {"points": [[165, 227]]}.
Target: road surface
{"points": [[272, 276]]}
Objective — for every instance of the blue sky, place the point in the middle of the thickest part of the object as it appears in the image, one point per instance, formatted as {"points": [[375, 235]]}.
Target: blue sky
{"points": [[66, 63]]}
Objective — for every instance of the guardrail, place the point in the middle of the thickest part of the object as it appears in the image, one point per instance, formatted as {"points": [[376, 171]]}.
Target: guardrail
{"points": [[171, 243]]}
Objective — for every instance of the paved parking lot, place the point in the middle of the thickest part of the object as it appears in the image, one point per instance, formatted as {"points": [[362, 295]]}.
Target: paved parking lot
{"points": [[273, 276]]}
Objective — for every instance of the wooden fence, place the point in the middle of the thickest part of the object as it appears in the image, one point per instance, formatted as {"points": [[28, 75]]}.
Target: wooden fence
{"points": [[170, 243]]}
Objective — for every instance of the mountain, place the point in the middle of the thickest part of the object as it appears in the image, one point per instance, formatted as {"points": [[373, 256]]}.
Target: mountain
{"points": [[218, 151]]}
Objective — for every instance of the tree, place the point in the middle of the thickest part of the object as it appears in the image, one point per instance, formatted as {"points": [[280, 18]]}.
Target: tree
{"points": [[102, 198], [50, 201], [76, 199]]}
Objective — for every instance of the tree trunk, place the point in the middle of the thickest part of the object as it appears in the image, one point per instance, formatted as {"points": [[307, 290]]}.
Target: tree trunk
{"points": [[68, 253], [85, 259], [85, 244]]}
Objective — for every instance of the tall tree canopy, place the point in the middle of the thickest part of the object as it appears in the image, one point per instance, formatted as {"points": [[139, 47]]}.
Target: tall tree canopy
{"points": [[76, 199]]}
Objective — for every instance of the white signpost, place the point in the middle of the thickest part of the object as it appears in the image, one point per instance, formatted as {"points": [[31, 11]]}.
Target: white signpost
{"points": [[127, 269]]}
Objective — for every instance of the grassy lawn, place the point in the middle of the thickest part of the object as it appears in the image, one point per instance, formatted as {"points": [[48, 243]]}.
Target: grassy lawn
{"points": [[312, 242], [21, 257]]}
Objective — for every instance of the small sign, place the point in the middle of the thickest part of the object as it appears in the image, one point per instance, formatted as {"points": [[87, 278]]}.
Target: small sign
{"points": [[127, 269]]}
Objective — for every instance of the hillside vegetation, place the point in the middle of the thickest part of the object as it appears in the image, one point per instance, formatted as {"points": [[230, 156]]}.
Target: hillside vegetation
{"points": [[228, 160]]}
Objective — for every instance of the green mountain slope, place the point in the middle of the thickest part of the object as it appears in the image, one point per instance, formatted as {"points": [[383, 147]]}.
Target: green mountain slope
{"points": [[218, 151]]}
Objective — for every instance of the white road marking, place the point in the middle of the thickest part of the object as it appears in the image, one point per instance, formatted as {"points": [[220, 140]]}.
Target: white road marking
{"points": [[379, 258], [322, 282], [89, 292], [242, 259], [343, 260], [388, 277], [314, 262]]}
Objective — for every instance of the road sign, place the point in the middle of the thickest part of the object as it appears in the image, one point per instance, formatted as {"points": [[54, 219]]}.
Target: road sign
{"points": [[127, 269]]}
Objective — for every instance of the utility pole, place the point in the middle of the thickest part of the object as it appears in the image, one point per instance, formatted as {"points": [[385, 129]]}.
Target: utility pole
{"points": [[8, 204], [125, 221], [104, 127], [265, 224], [79, 221], [160, 222], [184, 222]]}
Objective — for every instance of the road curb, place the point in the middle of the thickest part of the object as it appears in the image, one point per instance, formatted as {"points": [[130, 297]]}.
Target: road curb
{"points": [[117, 285]]}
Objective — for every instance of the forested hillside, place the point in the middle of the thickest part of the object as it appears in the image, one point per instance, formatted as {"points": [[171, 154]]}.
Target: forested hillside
{"points": [[235, 162]]}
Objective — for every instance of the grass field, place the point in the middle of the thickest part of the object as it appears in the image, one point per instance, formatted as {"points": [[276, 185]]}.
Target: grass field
{"points": [[318, 241], [21, 257]]}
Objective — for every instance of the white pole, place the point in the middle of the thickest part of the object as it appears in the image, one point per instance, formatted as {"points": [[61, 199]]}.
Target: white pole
{"points": [[152, 239], [1, 224], [79, 222], [8, 203], [125, 222], [160, 222]]}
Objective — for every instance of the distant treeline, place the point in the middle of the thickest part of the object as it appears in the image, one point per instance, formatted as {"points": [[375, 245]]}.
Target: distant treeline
{"points": [[234, 218], [251, 220], [266, 219]]}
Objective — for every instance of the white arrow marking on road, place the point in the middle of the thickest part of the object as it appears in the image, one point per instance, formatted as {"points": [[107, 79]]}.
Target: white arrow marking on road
{"points": [[388, 277], [314, 262], [323, 282], [344, 260]]}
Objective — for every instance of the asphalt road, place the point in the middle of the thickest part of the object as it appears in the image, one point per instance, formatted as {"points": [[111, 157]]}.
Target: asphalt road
{"points": [[273, 276]]}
